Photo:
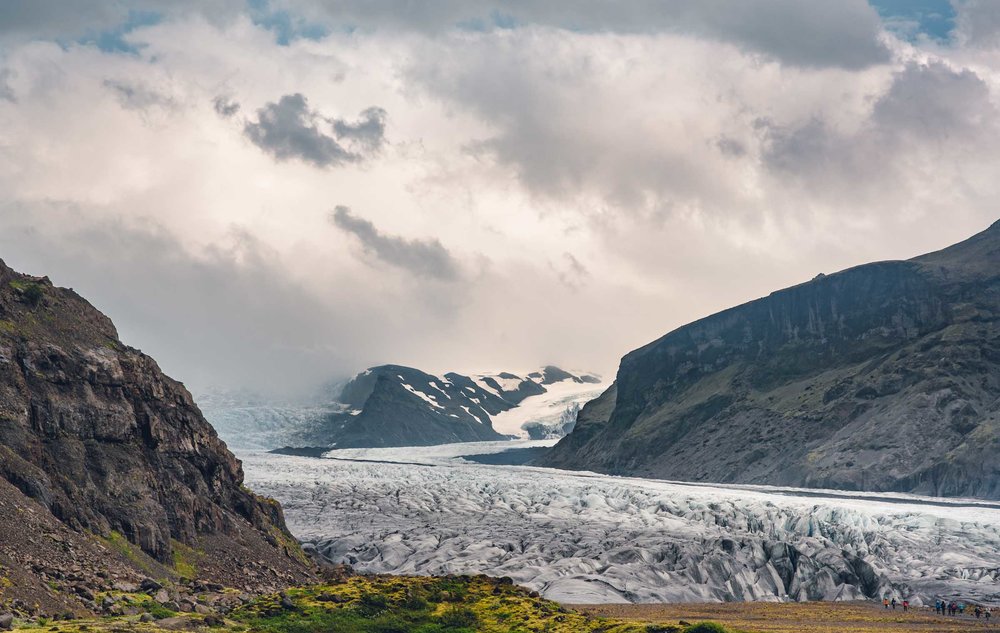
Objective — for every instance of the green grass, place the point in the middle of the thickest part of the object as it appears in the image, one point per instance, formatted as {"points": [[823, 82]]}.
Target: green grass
{"points": [[157, 610], [117, 542], [31, 292], [185, 560], [387, 604], [290, 545], [391, 604], [705, 627]]}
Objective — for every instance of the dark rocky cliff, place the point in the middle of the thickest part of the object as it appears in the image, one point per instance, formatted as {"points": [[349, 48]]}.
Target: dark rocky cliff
{"points": [[881, 377], [93, 432]]}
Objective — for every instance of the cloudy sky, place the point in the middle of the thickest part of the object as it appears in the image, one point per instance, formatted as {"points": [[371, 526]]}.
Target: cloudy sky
{"points": [[271, 193]]}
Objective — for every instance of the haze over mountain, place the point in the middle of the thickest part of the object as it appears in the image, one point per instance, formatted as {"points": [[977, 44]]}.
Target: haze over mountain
{"points": [[392, 405], [881, 377]]}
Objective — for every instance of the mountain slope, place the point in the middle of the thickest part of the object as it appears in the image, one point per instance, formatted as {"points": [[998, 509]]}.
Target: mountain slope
{"points": [[881, 377], [400, 406], [392, 405], [93, 433]]}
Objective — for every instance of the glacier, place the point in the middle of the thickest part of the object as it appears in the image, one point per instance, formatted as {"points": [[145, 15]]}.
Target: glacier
{"points": [[247, 421], [590, 538], [548, 415]]}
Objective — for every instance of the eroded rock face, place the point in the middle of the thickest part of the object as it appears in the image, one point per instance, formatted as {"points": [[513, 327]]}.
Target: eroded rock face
{"points": [[881, 377], [94, 431]]}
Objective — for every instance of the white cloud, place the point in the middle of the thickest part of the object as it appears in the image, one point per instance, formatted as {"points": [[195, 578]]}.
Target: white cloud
{"points": [[544, 194]]}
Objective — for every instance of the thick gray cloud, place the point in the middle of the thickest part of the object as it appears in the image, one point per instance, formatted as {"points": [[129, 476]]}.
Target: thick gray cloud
{"points": [[930, 112], [423, 258], [935, 102], [58, 19], [797, 32], [368, 132], [843, 34], [289, 129], [54, 18]]}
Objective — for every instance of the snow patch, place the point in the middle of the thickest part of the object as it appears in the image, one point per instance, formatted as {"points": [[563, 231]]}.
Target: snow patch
{"points": [[508, 384], [423, 396], [434, 384], [546, 408], [485, 386], [466, 409]]}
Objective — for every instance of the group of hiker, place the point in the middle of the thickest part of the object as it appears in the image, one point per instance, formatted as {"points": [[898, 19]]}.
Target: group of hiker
{"points": [[887, 603], [943, 607]]}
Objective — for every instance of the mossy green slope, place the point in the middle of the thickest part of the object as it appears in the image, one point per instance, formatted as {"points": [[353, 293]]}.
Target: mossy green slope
{"points": [[382, 604]]}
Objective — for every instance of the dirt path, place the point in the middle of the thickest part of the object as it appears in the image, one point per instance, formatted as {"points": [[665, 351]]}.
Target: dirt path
{"points": [[809, 617]]}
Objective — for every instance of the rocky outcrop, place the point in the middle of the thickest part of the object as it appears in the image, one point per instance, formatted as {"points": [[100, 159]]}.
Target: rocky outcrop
{"points": [[95, 434], [881, 377]]}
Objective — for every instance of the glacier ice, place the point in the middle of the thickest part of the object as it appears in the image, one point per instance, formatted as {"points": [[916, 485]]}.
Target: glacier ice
{"points": [[254, 423], [548, 413], [583, 537]]}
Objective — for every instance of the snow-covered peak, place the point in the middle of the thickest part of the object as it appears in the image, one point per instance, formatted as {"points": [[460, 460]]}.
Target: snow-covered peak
{"points": [[403, 406]]}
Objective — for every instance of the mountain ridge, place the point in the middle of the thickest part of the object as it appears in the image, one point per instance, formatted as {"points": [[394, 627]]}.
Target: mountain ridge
{"points": [[395, 405], [836, 382]]}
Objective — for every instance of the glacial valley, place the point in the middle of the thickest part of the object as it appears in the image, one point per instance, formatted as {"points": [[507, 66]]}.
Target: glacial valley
{"points": [[588, 538]]}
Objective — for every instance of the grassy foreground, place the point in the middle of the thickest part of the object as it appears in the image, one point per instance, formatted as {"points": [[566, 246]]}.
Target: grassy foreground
{"points": [[463, 604], [382, 604]]}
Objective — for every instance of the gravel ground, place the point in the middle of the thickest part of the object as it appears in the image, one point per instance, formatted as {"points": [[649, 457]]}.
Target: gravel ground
{"points": [[810, 617]]}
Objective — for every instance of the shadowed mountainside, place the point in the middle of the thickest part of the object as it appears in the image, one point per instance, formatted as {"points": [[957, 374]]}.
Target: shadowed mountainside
{"points": [[95, 435], [881, 377]]}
